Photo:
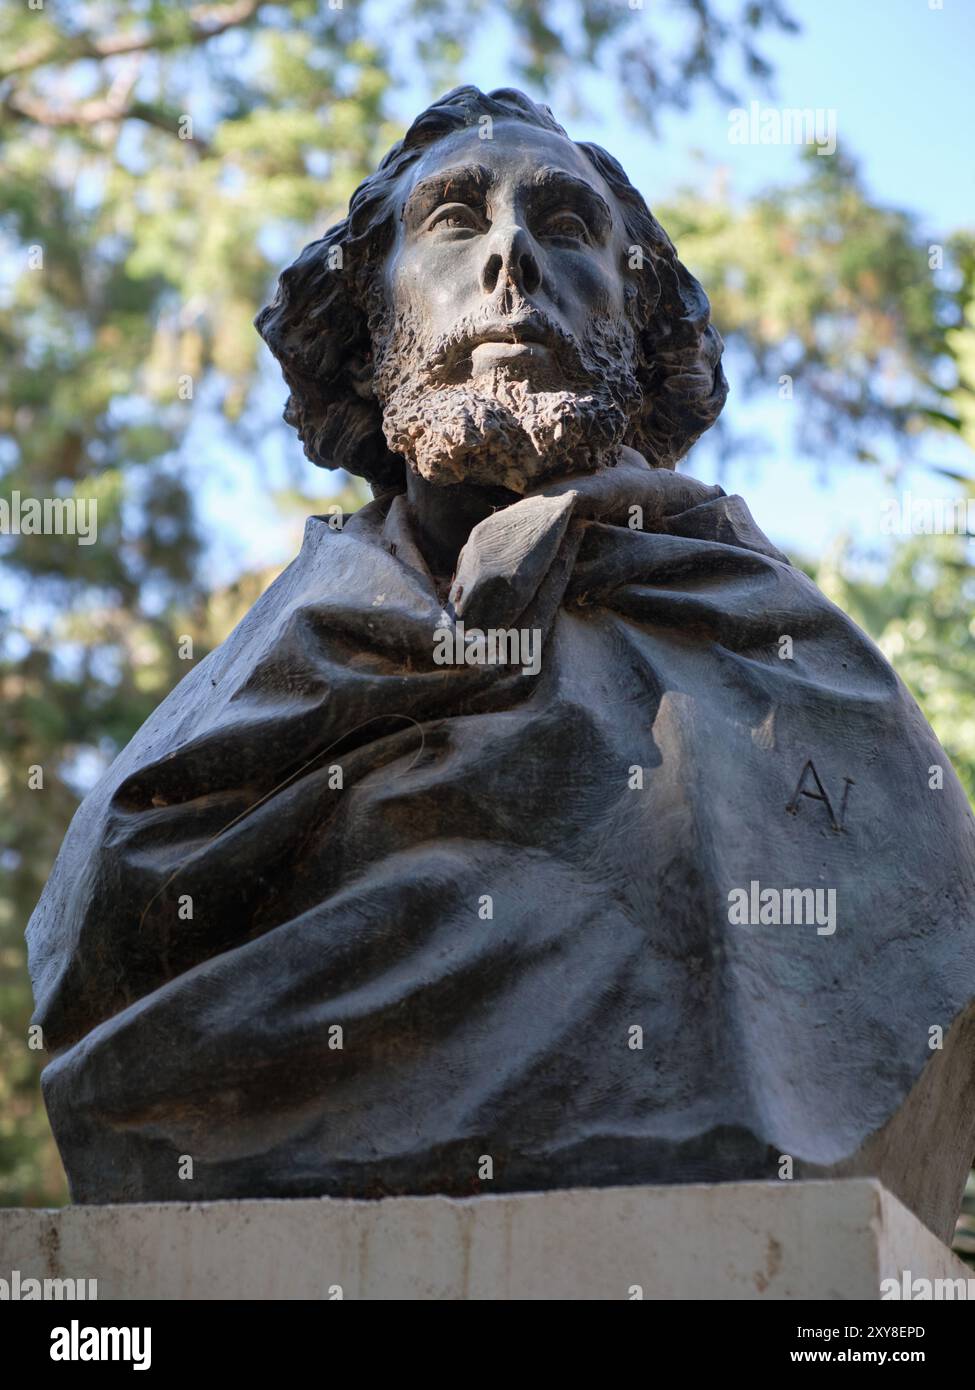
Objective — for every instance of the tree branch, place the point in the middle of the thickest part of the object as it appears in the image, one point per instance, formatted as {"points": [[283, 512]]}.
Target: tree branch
{"points": [[110, 107], [116, 105], [206, 22]]}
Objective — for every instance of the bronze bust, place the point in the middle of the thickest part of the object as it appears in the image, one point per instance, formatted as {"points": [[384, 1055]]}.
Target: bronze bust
{"points": [[541, 825]]}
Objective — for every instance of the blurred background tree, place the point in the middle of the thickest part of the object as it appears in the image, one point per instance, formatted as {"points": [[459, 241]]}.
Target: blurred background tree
{"points": [[160, 161]]}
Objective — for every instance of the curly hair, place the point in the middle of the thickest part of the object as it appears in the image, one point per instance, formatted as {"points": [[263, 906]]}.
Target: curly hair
{"points": [[318, 324]]}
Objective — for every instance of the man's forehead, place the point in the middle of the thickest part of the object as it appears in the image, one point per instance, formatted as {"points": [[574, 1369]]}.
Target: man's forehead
{"points": [[536, 154]]}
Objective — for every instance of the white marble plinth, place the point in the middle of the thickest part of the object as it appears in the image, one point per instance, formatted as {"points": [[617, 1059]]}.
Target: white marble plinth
{"points": [[788, 1240]]}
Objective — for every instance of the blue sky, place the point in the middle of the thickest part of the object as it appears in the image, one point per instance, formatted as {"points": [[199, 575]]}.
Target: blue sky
{"points": [[899, 75]]}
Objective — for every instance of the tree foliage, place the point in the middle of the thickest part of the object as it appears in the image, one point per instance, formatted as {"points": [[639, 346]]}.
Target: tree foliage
{"points": [[919, 607], [845, 306]]}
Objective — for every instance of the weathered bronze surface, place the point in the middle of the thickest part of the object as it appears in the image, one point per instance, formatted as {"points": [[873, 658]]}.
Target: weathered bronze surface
{"points": [[361, 911]]}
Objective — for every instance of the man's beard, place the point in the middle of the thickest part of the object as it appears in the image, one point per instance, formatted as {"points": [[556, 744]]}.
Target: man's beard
{"points": [[494, 428]]}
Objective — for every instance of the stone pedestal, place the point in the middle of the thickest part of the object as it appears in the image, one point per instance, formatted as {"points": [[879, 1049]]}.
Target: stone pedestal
{"points": [[801, 1240]]}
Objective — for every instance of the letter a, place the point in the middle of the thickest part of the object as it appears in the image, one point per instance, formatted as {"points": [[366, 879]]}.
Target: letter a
{"points": [[819, 795]]}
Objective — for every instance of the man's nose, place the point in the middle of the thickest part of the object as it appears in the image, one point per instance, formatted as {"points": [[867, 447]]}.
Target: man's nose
{"points": [[510, 259]]}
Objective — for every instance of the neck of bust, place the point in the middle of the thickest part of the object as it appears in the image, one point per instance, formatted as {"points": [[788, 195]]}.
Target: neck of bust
{"points": [[445, 514]]}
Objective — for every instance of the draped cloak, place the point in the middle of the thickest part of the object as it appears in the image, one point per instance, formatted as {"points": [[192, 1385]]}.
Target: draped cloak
{"points": [[344, 921]]}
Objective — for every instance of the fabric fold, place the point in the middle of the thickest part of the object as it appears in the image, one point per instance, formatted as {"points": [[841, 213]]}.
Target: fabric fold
{"points": [[491, 882]]}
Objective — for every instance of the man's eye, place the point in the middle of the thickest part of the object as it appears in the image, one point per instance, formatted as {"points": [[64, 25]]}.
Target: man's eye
{"points": [[456, 216], [565, 224]]}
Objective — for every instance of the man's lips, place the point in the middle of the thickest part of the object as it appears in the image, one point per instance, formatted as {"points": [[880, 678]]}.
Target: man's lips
{"points": [[513, 336], [525, 328], [505, 340], [505, 350]]}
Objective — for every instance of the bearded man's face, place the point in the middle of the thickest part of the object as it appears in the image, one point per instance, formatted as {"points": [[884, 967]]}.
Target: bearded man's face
{"points": [[504, 354]]}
